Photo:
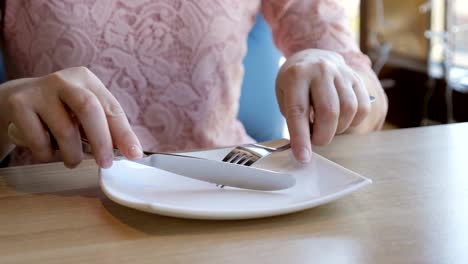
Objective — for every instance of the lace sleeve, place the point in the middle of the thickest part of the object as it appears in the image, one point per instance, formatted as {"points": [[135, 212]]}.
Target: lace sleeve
{"points": [[319, 24]]}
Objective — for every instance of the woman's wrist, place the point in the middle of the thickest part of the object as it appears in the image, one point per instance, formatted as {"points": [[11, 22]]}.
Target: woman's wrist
{"points": [[379, 108], [6, 146]]}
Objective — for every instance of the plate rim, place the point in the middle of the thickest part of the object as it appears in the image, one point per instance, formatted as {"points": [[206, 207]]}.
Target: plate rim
{"points": [[233, 215], [188, 213]]}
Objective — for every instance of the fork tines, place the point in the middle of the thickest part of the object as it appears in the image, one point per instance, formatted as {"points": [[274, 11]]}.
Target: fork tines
{"points": [[241, 157]]}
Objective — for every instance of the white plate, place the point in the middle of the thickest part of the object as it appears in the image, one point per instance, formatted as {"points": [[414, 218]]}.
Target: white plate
{"points": [[161, 192]]}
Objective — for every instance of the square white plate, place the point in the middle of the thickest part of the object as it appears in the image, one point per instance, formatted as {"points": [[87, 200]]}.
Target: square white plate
{"points": [[161, 192]]}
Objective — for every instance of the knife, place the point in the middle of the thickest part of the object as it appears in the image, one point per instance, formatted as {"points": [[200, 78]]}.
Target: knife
{"points": [[217, 172], [221, 173]]}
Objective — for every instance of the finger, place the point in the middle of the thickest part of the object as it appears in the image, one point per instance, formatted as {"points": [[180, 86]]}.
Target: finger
{"points": [[65, 132], [326, 106], [348, 102], [122, 134], [296, 110], [364, 104], [27, 130], [88, 110]]}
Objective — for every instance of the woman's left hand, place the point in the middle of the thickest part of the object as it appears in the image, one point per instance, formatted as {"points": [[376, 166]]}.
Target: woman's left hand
{"points": [[317, 90]]}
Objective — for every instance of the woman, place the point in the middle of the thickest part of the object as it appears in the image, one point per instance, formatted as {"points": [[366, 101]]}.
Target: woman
{"points": [[167, 73]]}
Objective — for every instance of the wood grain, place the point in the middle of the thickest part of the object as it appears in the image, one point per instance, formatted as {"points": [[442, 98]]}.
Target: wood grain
{"points": [[415, 212]]}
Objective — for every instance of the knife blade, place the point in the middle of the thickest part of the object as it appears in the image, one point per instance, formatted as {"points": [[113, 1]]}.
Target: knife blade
{"points": [[219, 172]]}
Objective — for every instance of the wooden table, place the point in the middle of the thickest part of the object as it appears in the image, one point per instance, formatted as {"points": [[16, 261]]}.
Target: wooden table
{"points": [[415, 212]]}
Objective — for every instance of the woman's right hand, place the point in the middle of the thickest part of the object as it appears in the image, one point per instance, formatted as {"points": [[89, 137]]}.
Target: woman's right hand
{"points": [[61, 102]]}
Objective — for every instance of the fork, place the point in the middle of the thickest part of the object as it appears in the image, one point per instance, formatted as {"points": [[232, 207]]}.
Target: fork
{"points": [[248, 154]]}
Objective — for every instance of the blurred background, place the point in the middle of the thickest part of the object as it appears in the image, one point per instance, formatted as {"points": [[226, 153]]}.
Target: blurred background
{"points": [[420, 52]]}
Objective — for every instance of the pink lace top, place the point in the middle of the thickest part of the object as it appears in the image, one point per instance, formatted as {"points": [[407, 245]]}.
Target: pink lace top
{"points": [[174, 65]]}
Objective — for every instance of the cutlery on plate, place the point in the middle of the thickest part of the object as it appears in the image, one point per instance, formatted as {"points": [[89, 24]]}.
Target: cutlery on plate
{"points": [[212, 171], [249, 154], [220, 173]]}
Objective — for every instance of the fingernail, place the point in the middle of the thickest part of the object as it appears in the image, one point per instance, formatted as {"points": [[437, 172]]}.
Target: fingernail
{"points": [[135, 152], [71, 165], [105, 162], [303, 155]]}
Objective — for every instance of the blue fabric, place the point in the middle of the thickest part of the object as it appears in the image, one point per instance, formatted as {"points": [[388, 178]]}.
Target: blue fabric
{"points": [[258, 110]]}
